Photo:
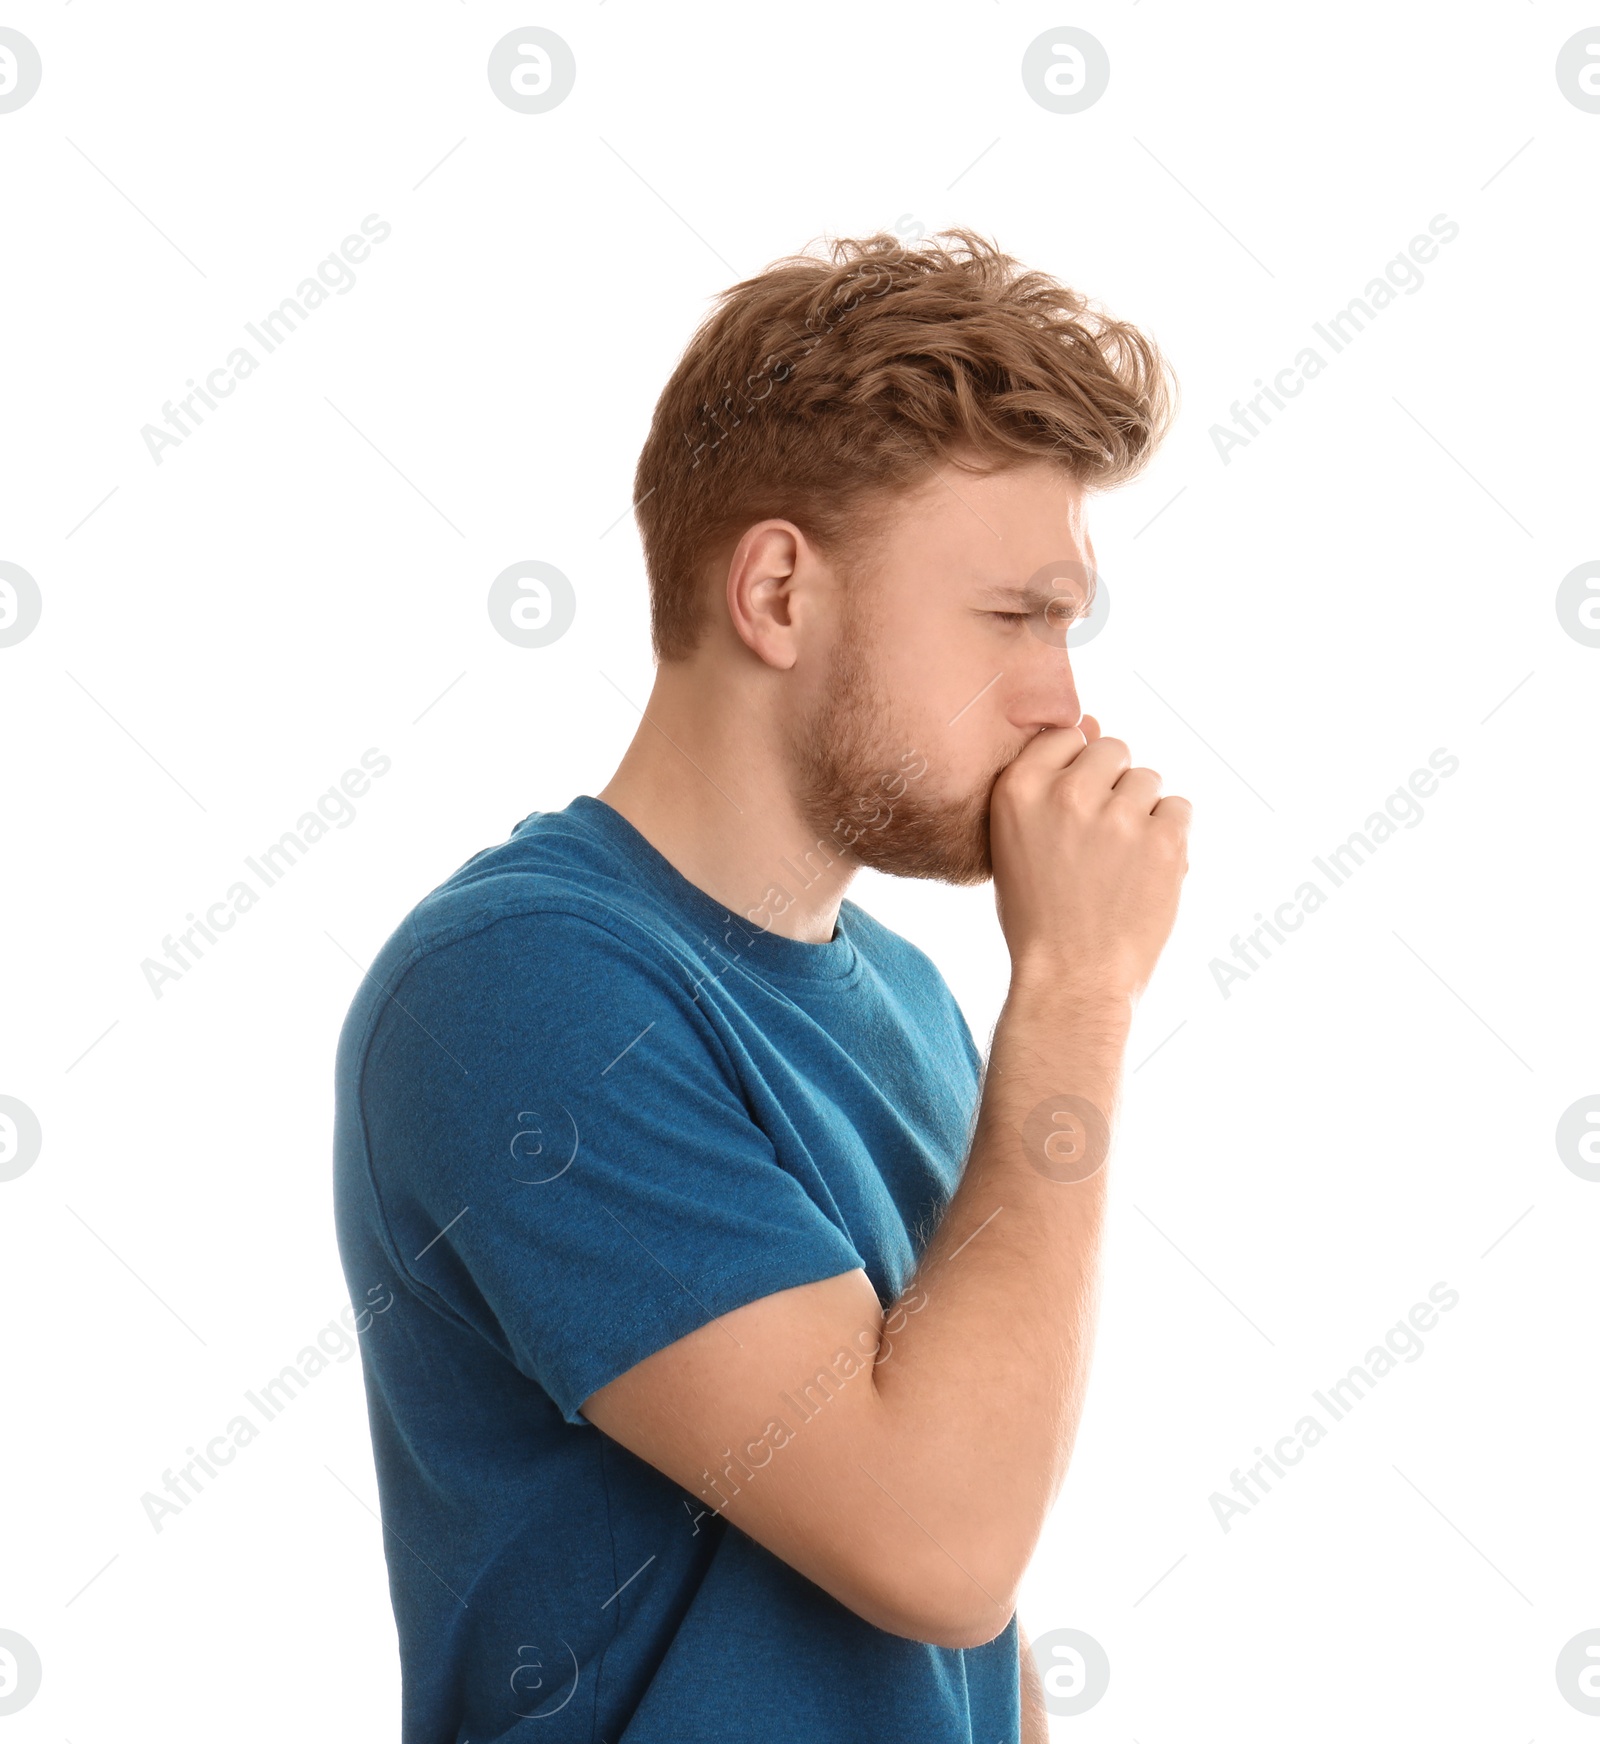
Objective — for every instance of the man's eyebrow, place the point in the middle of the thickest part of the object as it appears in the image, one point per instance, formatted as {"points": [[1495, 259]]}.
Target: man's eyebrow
{"points": [[1034, 599]]}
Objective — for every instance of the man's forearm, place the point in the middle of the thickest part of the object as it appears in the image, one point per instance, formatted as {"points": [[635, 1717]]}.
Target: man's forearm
{"points": [[981, 1390]]}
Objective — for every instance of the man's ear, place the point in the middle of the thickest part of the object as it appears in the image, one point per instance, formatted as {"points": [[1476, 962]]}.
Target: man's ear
{"points": [[761, 588]]}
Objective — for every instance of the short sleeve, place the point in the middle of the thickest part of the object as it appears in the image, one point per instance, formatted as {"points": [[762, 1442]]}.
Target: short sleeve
{"points": [[563, 1156]]}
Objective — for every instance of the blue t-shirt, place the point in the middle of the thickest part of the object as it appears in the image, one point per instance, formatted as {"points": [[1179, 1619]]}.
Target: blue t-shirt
{"points": [[580, 1111]]}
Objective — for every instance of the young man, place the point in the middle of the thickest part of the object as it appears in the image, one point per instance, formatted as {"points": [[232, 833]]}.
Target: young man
{"points": [[737, 1343]]}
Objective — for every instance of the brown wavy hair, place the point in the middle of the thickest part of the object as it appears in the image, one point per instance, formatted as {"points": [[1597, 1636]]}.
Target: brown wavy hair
{"points": [[825, 383]]}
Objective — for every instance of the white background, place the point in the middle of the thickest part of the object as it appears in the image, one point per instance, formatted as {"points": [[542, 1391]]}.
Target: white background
{"points": [[305, 576]]}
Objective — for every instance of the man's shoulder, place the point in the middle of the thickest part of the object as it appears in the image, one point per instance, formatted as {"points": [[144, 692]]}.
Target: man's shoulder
{"points": [[543, 909], [524, 892]]}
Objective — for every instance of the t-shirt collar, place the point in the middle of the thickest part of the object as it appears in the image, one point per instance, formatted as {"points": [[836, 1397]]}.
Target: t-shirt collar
{"points": [[733, 935]]}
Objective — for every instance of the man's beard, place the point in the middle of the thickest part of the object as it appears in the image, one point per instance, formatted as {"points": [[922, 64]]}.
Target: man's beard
{"points": [[857, 790]]}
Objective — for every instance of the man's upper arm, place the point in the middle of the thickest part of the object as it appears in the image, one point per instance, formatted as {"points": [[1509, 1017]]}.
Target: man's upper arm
{"points": [[771, 1415]]}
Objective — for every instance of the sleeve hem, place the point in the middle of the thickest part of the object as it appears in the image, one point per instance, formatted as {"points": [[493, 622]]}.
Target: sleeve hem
{"points": [[641, 1338]]}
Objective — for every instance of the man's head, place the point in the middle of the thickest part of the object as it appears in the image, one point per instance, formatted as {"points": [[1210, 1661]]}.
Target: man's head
{"points": [[862, 509]]}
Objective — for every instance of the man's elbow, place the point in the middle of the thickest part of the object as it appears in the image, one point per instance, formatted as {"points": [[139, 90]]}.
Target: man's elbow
{"points": [[968, 1629], [945, 1607]]}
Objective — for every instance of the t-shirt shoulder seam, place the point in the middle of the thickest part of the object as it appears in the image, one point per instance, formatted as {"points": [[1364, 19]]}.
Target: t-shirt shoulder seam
{"points": [[571, 906]]}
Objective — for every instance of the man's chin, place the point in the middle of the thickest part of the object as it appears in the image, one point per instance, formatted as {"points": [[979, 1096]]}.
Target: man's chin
{"points": [[944, 849]]}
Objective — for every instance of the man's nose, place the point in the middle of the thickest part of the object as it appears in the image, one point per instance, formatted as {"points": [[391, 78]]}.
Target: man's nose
{"points": [[1057, 703]]}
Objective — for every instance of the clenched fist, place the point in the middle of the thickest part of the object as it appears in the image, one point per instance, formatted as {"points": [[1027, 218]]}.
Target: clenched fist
{"points": [[1088, 860]]}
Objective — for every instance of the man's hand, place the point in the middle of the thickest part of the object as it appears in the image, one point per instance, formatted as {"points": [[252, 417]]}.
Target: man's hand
{"points": [[1088, 859]]}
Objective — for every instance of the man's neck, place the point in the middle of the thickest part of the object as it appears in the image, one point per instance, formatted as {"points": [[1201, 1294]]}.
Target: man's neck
{"points": [[717, 805]]}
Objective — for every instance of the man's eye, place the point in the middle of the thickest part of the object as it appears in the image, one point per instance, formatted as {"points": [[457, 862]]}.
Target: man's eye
{"points": [[1012, 617]]}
